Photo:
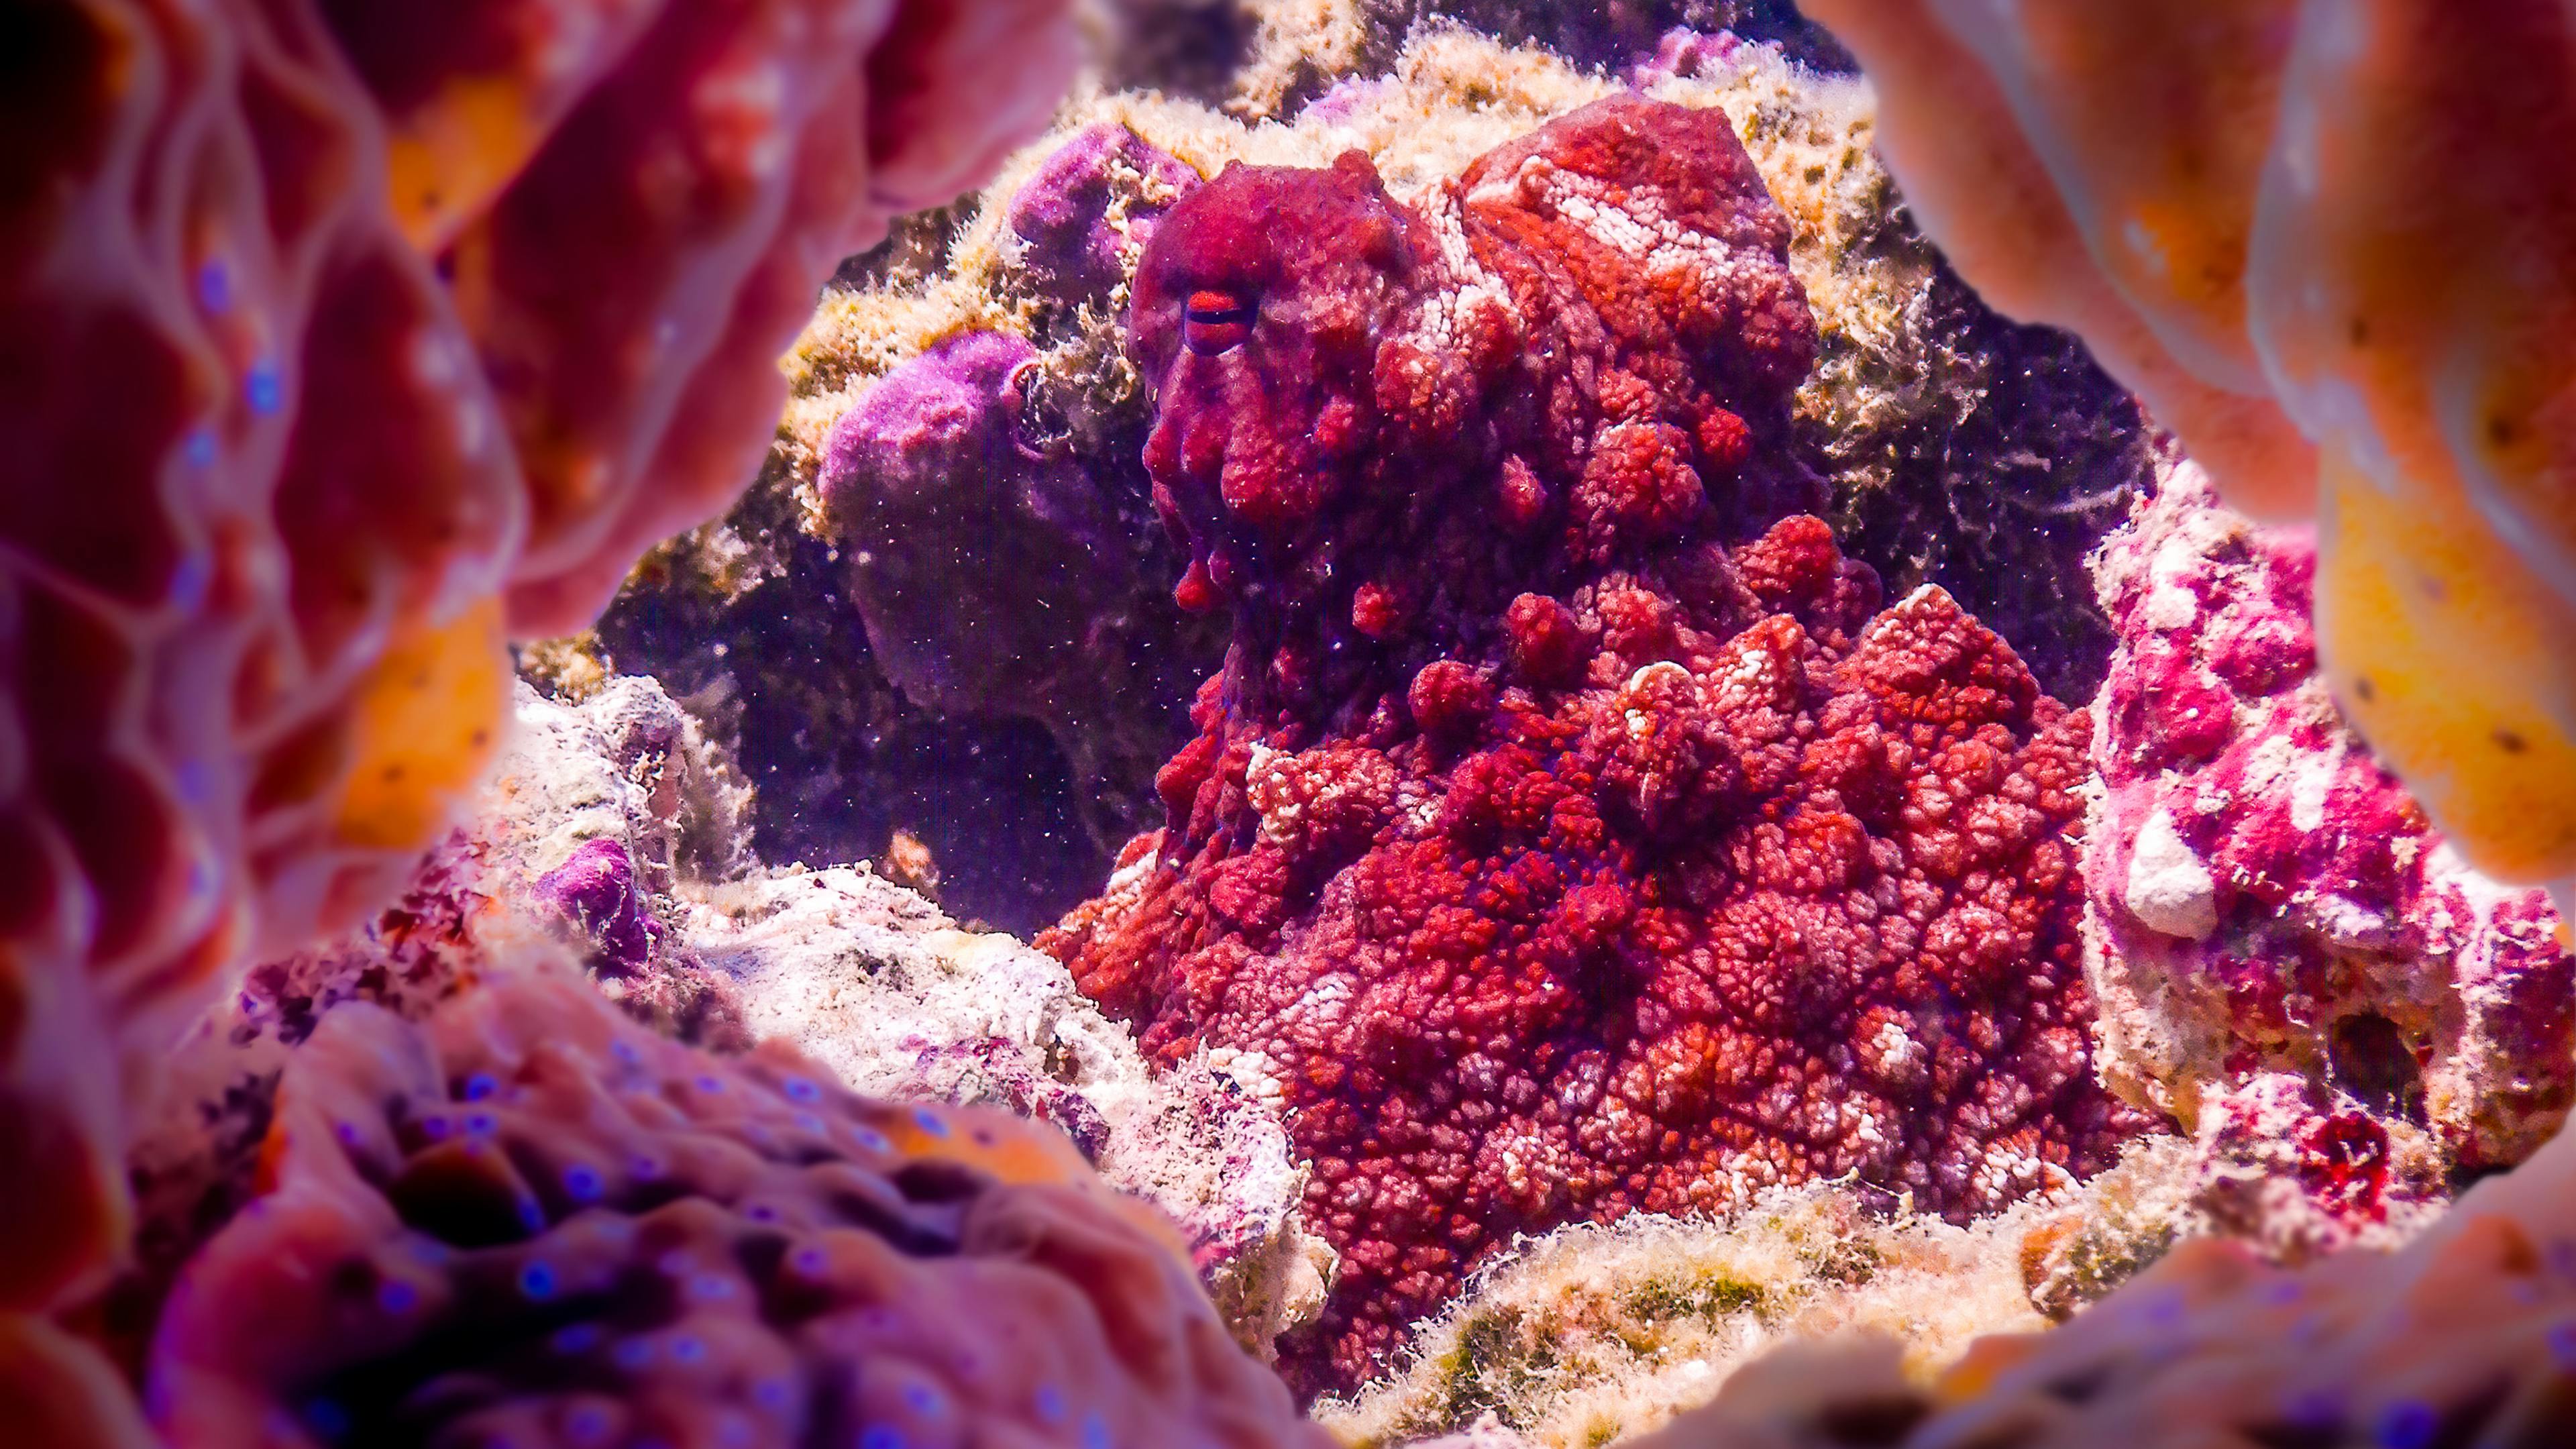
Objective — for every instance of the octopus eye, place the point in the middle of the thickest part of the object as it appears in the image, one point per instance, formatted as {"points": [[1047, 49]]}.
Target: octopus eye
{"points": [[1215, 322]]}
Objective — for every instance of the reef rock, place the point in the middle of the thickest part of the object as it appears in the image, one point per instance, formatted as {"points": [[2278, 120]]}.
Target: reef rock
{"points": [[995, 573], [615, 827], [875, 983], [1545, 858], [2461, 1338], [2334, 266], [2267, 899]]}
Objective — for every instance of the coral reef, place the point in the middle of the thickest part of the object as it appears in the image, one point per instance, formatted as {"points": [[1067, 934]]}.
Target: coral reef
{"points": [[1548, 861], [2334, 267], [625, 776], [1081, 222], [1022, 670], [878, 986], [2461, 1338], [1959, 450], [624, 798], [775, 658], [1609, 35], [353, 337], [2267, 899], [525, 1217], [596, 890], [1592, 1332]]}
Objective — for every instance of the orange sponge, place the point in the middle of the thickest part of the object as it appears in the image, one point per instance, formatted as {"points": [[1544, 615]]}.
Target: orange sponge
{"points": [[345, 338], [2328, 244]]}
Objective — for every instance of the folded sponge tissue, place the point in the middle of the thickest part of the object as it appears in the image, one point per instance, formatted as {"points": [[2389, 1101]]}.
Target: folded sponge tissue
{"points": [[366, 331], [526, 1218], [2335, 266]]}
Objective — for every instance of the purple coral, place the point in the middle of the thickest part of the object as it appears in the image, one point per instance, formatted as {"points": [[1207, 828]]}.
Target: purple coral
{"points": [[1001, 576], [1090, 207], [596, 890], [976, 560], [2267, 898]]}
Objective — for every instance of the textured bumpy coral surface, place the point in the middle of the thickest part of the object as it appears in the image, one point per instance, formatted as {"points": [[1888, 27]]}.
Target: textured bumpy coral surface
{"points": [[1545, 858], [864, 978], [2269, 900], [527, 1219], [2335, 264], [1958, 448], [352, 336], [2466, 1337]]}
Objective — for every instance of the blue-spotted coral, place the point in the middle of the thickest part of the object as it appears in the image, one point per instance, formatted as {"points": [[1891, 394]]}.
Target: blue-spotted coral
{"points": [[528, 1221]]}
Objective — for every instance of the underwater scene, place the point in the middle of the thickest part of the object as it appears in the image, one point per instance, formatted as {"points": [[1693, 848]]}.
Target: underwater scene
{"points": [[972, 724]]}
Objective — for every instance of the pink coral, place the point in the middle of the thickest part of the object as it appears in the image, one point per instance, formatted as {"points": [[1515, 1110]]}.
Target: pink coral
{"points": [[528, 1220], [1550, 860], [2268, 897], [596, 890], [2327, 244]]}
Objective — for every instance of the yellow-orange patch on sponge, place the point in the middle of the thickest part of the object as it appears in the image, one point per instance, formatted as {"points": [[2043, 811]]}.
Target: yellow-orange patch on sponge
{"points": [[422, 727], [2449, 658], [451, 161]]}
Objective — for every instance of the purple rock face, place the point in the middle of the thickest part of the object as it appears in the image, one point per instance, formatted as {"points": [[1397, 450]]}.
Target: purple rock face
{"points": [[977, 560], [1000, 577], [596, 890], [1070, 212]]}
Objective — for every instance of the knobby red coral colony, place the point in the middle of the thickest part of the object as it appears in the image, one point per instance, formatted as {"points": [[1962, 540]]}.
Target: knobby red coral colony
{"points": [[1552, 859]]}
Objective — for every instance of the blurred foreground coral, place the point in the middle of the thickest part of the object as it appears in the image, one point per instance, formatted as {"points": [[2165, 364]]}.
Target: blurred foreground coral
{"points": [[2328, 244], [348, 338], [528, 1220]]}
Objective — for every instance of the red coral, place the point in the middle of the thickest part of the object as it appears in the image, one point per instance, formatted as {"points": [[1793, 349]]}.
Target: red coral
{"points": [[1620, 871]]}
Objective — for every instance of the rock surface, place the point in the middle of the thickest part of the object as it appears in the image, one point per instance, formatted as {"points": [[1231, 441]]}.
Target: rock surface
{"points": [[2289, 956]]}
